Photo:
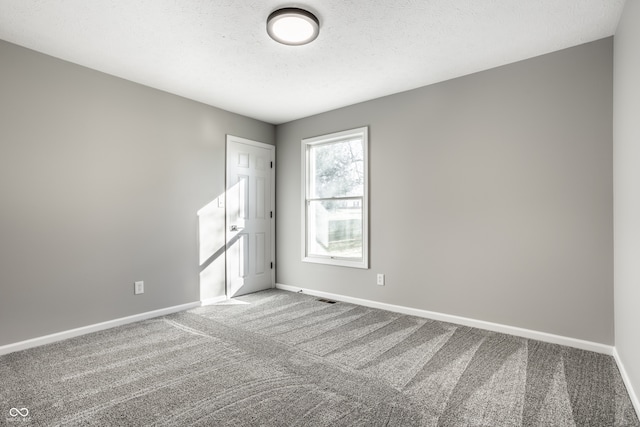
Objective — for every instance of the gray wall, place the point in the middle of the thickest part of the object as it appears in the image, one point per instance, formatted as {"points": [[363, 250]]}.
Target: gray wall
{"points": [[101, 180], [490, 196], [626, 149]]}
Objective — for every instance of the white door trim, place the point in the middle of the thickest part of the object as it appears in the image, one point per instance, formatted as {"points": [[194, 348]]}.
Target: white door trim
{"points": [[236, 139]]}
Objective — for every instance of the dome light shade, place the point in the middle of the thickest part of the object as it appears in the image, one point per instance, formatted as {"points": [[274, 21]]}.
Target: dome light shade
{"points": [[293, 26]]}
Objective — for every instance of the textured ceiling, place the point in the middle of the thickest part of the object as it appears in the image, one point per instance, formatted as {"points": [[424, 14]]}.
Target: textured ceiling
{"points": [[218, 51]]}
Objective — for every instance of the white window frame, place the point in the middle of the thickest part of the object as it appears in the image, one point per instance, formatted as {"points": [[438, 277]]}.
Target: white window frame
{"points": [[307, 143]]}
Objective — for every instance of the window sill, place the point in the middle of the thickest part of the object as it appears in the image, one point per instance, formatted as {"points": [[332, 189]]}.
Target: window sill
{"points": [[337, 262]]}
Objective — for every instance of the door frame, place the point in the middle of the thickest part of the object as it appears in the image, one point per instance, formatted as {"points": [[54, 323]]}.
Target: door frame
{"points": [[231, 139]]}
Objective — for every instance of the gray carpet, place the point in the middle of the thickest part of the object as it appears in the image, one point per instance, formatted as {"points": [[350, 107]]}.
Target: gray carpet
{"points": [[277, 358]]}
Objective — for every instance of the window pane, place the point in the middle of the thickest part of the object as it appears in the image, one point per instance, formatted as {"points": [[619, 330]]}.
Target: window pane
{"points": [[335, 228], [337, 169]]}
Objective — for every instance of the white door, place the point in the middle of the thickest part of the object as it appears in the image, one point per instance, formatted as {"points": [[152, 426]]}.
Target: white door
{"points": [[250, 218]]}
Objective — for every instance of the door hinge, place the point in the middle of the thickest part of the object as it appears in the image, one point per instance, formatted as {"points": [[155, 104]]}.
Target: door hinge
{"points": [[272, 266], [271, 214]]}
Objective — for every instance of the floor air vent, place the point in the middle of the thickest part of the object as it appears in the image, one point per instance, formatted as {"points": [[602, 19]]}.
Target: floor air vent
{"points": [[328, 301]]}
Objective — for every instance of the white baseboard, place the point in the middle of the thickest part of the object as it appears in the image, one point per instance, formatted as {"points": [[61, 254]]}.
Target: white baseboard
{"points": [[496, 327], [627, 382], [59, 336], [211, 301]]}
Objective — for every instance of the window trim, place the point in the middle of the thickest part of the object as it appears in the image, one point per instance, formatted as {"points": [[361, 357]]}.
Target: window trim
{"points": [[307, 143]]}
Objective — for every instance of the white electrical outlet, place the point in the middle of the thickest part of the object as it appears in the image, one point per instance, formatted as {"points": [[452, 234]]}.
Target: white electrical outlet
{"points": [[138, 288], [380, 279]]}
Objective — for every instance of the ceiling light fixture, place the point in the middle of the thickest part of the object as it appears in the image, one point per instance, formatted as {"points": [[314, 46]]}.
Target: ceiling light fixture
{"points": [[293, 26]]}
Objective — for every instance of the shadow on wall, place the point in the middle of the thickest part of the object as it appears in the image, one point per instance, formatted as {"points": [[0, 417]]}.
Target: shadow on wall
{"points": [[211, 242], [213, 246]]}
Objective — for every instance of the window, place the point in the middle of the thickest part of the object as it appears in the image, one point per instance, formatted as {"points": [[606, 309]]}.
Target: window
{"points": [[335, 208]]}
